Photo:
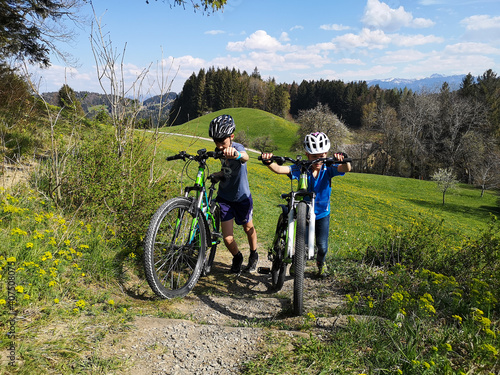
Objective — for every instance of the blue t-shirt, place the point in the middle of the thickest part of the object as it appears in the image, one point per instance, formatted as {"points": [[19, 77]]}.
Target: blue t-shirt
{"points": [[321, 185], [235, 188]]}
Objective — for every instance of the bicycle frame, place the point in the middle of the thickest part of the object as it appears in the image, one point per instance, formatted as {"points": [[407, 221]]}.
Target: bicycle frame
{"points": [[202, 198], [311, 218]]}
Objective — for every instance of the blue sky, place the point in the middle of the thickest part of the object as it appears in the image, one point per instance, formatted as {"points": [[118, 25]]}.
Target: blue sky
{"points": [[288, 40]]}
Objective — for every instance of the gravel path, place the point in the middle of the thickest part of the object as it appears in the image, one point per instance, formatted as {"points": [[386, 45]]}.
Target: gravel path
{"points": [[217, 339]]}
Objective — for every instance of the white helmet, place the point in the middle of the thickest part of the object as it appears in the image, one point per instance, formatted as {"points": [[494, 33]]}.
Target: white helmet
{"points": [[316, 143]]}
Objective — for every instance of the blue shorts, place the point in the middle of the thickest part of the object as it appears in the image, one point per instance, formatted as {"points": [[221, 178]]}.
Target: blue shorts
{"points": [[241, 211]]}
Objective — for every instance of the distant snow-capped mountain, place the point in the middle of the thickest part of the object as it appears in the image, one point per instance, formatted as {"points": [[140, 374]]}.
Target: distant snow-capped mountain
{"points": [[432, 83]]}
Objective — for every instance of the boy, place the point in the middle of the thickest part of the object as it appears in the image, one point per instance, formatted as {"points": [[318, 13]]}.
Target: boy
{"points": [[234, 196], [317, 146]]}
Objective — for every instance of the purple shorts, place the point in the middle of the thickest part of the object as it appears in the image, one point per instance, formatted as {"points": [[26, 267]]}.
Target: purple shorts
{"points": [[241, 211]]}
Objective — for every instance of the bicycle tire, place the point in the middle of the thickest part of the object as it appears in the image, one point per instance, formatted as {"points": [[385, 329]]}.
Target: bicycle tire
{"points": [[172, 260], [278, 269], [299, 259], [213, 228]]}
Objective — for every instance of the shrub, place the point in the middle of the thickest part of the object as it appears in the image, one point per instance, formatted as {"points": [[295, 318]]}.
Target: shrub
{"points": [[96, 182]]}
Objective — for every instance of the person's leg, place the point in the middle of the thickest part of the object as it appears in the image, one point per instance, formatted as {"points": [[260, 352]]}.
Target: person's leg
{"points": [[228, 235], [253, 258], [251, 235], [322, 230]]}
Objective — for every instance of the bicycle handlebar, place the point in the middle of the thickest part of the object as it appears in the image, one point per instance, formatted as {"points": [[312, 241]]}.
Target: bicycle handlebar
{"points": [[280, 160], [202, 155]]}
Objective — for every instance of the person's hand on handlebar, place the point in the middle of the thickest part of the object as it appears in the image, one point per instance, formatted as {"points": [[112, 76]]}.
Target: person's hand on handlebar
{"points": [[230, 153], [279, 169], [339, 156], [266, 156], [342, 167]]}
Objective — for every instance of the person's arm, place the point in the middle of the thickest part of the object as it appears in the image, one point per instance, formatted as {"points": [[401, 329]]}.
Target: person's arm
{"points": [[343, 168], [279, 169], [232, 153]]}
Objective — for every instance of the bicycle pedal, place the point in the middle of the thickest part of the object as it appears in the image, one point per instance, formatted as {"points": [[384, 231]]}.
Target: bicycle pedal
{"points": [[263, 270]]}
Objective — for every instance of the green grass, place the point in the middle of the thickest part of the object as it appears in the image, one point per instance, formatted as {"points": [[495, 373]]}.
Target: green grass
{"points": [[73, 273], [362, 205], [255, 123]]}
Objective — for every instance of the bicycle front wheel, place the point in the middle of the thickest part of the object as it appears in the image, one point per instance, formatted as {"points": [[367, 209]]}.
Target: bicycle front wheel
{"points": [[299, 259], [278, 269], [174, 249]]}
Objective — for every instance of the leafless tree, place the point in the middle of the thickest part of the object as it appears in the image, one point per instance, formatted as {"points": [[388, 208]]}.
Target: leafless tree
{"points": [[321, 118], [486, 173], [123, 97]]}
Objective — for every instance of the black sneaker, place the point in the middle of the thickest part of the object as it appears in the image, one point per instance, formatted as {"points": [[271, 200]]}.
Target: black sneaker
{"points": [[237, 261], [253, 259]]}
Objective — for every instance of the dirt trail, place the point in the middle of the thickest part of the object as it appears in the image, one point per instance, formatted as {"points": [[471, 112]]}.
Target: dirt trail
{"points": [[216, 338]]}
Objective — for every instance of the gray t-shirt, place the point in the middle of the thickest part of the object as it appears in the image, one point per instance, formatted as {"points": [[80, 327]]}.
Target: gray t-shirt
{"points": [[235, 188]]}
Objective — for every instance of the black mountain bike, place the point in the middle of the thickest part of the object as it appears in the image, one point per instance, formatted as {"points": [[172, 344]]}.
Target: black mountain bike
{"points": [[181, 231], [296, 223]]}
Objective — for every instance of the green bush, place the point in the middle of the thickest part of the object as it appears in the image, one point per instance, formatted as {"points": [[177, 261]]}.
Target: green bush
{"points": [[97, 183]]}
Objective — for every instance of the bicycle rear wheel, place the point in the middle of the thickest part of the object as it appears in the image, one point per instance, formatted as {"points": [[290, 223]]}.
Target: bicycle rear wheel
{"points": [[214, 228], [299, 259], [278, 269], [174, 249]]}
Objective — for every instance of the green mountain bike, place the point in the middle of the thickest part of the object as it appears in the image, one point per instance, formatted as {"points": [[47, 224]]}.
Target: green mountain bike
{"points": [[294, 238], [181, 231]]}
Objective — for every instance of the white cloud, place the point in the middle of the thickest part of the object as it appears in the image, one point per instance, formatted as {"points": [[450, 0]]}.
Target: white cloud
{"points": [[53, 78], [471, 48], [327, 46], [215, 32], [334, 27], [380, 16], [414, 40], [401, 56], [481, 22], [371, 39], [449, 64], [297, 27], [258, 40], [348, 61], [377, 39], [284, 37]]}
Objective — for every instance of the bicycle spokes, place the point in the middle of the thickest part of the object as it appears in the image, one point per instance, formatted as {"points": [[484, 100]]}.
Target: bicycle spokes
{"points": [[176, 248]]}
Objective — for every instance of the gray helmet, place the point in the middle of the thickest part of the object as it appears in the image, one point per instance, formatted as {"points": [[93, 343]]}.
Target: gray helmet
{"points": [[316, 143], [221, 127]]}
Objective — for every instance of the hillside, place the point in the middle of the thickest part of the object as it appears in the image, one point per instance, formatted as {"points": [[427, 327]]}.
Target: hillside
{"points": [[253, 122], [92, 102]]}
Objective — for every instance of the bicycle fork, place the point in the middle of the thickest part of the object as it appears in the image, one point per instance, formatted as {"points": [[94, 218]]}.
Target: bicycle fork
{"points": [[311, 220]]}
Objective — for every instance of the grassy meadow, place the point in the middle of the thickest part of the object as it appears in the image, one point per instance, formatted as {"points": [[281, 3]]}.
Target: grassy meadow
{"points": [[420, 279]]}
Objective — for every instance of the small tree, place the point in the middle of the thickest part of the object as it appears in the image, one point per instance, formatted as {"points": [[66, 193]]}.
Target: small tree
{"points": [[68, 100], [242, 137], [264, 144], [322, 119], [445, 179]]}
